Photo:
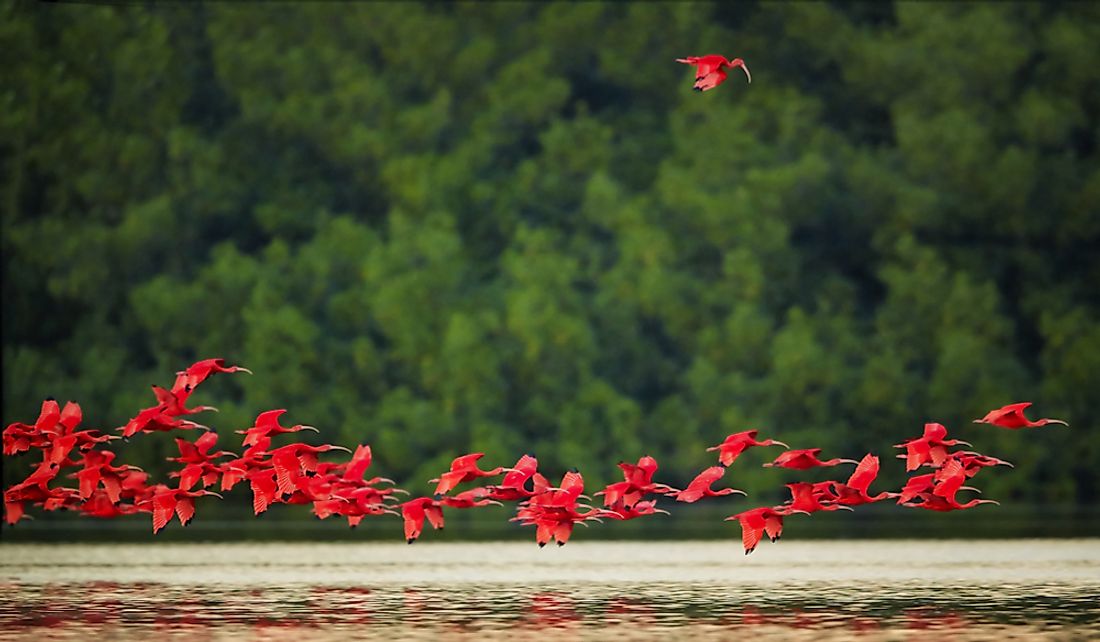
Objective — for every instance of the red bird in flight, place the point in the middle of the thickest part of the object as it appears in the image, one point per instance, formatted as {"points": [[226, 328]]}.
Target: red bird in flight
{"points": [[700, 487], [710, 71], [804, 460], [464, 469], [732, 447], [267, 424], [1012, 416]]}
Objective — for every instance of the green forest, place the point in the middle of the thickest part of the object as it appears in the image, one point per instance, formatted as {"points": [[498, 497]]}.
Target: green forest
{"points": [[513, 227]]}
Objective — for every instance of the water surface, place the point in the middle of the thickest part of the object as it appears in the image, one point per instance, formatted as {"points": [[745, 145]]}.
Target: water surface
{"points": [[587, 590]]}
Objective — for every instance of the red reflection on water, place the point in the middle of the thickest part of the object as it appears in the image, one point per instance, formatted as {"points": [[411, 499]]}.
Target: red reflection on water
{"points": [[550, 610]]}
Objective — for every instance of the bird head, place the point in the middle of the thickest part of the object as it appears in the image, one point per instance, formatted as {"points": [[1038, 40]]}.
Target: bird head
{"points": [[737, 62]]}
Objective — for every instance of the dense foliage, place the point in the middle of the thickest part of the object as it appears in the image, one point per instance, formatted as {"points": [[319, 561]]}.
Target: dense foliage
{"points": [[512, 227]]}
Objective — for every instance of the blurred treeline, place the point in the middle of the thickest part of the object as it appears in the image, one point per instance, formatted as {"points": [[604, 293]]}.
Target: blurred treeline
{"points": [[510, 227]]}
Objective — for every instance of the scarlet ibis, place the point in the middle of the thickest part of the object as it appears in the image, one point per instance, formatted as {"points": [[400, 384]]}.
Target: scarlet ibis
{"points": [[153, 419], [855, 491], [640, 509], [733, 445], [943, 504], [199, 451], [931, 447], [473, 498], [514, 485], [251, 459], [638, 482], [700, 487], [173, 403], [710, 70], [166, 501], [1012, 417], [415, 511], [464, 469], [804, 460], [98, 470], [100, 505], [294, 460], [554, 512], [757, 521], [811, 498], [20, 437], [199, 371], [949, 479], [267, 424], [973, 462]]}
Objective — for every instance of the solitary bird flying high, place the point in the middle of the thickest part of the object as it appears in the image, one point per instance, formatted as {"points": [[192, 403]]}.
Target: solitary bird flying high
{"points": [[710, 70]]}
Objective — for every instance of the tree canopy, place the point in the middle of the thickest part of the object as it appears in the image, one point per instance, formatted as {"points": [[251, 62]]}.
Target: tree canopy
{"points": [[512, 227]]}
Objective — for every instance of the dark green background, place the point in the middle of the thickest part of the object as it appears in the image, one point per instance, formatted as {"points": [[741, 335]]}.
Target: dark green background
{"points": [[510, 227]]}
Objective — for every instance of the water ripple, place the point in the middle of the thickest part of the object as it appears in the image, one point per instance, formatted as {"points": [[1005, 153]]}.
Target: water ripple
{"points": [[493, 591]]}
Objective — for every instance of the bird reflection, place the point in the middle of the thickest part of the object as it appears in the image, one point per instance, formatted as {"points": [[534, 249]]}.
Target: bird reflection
{"points": [[107, 610]]}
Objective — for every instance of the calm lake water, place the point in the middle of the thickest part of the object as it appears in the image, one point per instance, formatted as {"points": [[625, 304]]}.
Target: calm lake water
{"points": [[867, 590]]}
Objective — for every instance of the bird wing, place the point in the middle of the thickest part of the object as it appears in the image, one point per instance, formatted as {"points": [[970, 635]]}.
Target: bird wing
{"points": [[751, 533], [466, 462], [113, 487], [435, 516], [263, 492], [561, 532], [185, 510], [286, 471], [163, 507], [709, 81], [71, 416], [773, 525], [572, 483], [702, 482], [206, 441], [865, 473], [269, 419], [360, 462]]}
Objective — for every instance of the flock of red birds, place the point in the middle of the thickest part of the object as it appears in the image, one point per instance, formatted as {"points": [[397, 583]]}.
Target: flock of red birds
{"points": [[293, 474]]}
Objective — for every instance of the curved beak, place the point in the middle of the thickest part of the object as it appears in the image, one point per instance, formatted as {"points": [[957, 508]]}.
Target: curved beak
{"points": [[493, 502], [849, 461], [976, 490], [1057, 421], [339, 448], [799, 511], [739, 492], [662, 511], [314, 430], [965, 443], [843, 507], [210, 492], [746, 70], [978, 421], [242, 369], [713, 448], [399, 490], [775, 442]]}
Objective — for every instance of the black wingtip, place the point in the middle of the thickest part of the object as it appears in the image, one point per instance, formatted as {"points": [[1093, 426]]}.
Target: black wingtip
{"points": [[50, 398], [411, 540], [541, 544], [574, 469]]}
